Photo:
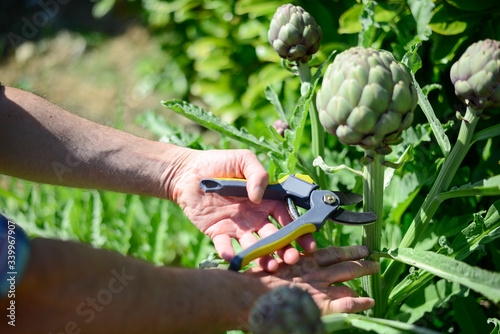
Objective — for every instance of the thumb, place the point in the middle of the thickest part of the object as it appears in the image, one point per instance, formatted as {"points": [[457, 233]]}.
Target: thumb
{"points": [[256, 176]]}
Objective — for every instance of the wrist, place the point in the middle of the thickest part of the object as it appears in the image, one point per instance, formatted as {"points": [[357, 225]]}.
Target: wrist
{"points": [[176, 162]]}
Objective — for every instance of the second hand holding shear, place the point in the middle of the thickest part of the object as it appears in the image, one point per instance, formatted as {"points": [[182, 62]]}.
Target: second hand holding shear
{"points": [[297, 190]]}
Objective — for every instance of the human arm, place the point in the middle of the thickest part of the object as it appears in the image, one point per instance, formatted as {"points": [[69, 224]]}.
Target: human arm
{"points": [[69, 287], [44, 143]]}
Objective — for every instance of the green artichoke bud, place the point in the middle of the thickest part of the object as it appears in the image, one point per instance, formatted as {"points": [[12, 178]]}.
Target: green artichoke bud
{"points": [[476, 75], [294, 34], [286, 310], [366, 98]]}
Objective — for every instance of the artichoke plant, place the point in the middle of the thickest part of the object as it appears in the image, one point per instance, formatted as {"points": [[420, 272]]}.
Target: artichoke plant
{"points": [[294, 34], [476, 75], [286, 310], [366, 99]]}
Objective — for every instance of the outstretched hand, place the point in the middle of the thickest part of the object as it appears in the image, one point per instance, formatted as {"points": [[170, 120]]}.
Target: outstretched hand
{"points": [[223, 218], [317, 272]]}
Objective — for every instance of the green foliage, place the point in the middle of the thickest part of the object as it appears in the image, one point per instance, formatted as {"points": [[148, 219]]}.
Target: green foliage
{"points": [[148, 228]]}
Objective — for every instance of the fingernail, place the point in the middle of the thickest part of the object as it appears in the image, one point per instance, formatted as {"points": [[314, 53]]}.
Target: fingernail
{"points": [[363, 251], [259, 191]]}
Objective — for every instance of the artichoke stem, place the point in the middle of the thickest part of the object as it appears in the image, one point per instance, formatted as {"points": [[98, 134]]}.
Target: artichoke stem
{"points": [[373, 200], [317, 131], [432, 202]]}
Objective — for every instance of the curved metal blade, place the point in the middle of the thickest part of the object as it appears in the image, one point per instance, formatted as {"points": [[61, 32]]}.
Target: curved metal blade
{"points": [[347, 217], [348, 198]]}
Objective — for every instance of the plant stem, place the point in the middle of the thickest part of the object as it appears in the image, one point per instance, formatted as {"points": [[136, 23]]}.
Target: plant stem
{"points": [[317, 131], [373, 200], [432, 202]]}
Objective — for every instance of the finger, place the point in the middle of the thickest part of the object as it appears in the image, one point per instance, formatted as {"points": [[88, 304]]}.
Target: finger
{"points": [[344, 271], [332, 255], [280, 213], [224, 246], [256, 176], [340, 291], [288, 254], [348, 305], [268, 263], [307, 243]]}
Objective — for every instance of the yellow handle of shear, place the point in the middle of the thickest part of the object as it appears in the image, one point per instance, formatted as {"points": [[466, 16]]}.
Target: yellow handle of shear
{"points": [[272, 243]]}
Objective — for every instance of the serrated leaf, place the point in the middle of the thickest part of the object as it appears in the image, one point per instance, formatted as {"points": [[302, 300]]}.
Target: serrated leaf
{"points": [[412, 58], [272, 97], [389, 172], [368, 24], [421, 10], [476, 235], [319, 162], [297, 123], [480, 280], [212, 122], [335, 322], [436, 126], [487, 187]]}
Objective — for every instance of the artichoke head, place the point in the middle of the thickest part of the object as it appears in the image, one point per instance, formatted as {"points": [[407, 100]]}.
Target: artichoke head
{"points": [[286, 310], [294, 34], [366, 99], [476, 75]]}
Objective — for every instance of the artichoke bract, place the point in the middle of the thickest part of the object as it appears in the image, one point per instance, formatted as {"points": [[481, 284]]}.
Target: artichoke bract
{"points": [[367, 98], [286, 310], [476, 75], [294, 34]]}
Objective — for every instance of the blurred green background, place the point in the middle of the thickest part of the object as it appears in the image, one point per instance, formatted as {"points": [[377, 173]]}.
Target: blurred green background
{"points": [[114, 61]]}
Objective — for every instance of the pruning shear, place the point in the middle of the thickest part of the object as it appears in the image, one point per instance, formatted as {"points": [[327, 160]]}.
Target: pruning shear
{"points": [[296, 190]]}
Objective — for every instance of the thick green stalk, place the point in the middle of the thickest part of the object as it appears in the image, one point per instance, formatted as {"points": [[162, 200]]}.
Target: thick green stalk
{"points": [[432, 202], [373, 200], [318, 133]]}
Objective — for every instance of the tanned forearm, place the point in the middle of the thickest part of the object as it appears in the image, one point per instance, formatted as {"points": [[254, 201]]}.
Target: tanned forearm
{"points": [[70, 287], [44, 143]]}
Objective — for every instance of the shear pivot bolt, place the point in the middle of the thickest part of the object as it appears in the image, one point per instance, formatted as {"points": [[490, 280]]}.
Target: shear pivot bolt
{"points": [[329, 199]]}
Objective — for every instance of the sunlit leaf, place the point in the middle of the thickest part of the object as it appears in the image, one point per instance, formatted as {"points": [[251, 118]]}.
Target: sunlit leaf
{"points": [[210, 121], [436, 126], [421, 11], [448, 20], [488, 187], [479, 280]]}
